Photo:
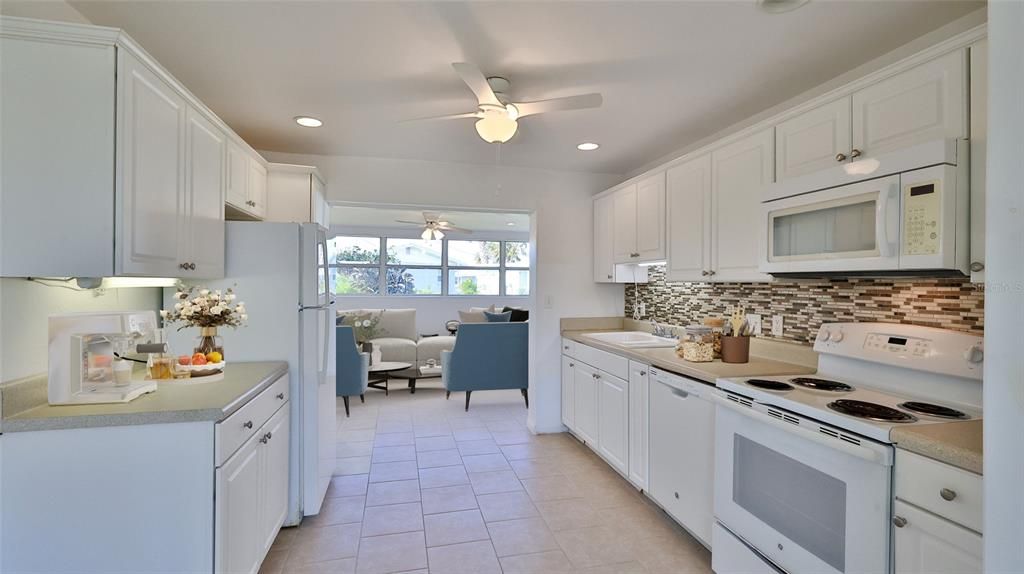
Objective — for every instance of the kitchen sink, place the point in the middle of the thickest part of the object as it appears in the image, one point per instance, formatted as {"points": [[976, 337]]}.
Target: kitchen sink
{"points": [[633, 339]]}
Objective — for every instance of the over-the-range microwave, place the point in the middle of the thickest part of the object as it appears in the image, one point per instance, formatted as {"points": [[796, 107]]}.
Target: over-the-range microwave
{"points": [[906, 212]]}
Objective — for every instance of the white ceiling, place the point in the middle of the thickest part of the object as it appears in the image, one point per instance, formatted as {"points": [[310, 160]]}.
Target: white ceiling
{"points": [[670, 72], [478, 221]]}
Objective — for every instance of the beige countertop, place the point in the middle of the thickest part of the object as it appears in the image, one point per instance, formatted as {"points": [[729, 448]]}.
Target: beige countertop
{"points": [[171, 403], [956, 443], [665, 358]]}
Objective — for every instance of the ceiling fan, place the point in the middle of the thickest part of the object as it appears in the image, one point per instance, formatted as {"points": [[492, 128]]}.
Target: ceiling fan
{"points": [[433, 226], [497, 118]]}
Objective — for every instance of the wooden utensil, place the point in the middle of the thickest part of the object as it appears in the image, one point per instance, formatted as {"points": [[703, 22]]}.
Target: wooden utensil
{"points": [[738, 318]]}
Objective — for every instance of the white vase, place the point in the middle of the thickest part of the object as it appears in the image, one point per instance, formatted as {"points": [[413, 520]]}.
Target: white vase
{"points": [[375, 355]]}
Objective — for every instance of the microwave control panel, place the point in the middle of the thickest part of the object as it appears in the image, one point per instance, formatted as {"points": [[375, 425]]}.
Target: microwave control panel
{"points": [[922, 212]]}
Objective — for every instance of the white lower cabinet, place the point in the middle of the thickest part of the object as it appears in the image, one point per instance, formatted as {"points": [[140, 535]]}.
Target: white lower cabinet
{"points": [[638, 424], [613, 421], [929, 544], [568, 410], [584, 382], [682, 421]]}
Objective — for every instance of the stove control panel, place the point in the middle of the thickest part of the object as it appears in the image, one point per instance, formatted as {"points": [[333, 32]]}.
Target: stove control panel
{"points": [[903, 345]]}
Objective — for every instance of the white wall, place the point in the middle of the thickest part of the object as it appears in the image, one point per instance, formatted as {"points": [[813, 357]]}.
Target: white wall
{"points": [[42, 9], [562, 224], [431, 312], [1004, 306], [25, 306]]}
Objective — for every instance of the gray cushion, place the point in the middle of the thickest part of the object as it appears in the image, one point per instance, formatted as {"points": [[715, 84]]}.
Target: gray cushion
{"points": [[396, 349], [472, 316], [431, 347], [498, 317]]}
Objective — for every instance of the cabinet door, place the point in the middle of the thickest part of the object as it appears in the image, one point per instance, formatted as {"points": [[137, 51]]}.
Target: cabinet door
{"points": [[257, 188], [814, 140], [738, 172], [238, 536], [585, 403], [151, 187], [318, 201], [979, 153], [927, 544], [624, 225], [568, 365], [203, 221], [274, 462], [650, 217], [613, 421], [638, 420], [237, 194], [689, 214], [924, 103], [604, 266]]}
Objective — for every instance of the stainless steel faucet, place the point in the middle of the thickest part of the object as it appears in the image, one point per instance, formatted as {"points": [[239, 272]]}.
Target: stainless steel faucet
{"points": [[659, 331]]}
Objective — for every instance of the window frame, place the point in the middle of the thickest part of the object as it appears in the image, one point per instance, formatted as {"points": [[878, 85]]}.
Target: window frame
{"points": [[382, 266]]}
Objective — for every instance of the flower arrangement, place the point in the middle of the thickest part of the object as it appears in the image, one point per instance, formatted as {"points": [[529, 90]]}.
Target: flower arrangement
{"points": [[200, 307], [364, 325]]}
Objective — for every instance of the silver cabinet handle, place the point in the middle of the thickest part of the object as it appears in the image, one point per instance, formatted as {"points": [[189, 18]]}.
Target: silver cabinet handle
{"points": [[609, 276], [840, 157], [269, 435], [947, 494], [855, 153], [712, 272], [977, 266], [899, 521], [566, 347], [572, 364], [280, 396], [247, 424], [705, 273], [643, 373], [264, 439]]}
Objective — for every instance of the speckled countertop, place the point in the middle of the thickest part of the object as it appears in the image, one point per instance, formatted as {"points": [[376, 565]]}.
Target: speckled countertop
{"points": [[24, 405], [956, 443], [666, 358]]}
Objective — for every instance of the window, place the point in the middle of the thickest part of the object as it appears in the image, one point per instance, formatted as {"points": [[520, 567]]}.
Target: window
{"points": [[424, 267]]}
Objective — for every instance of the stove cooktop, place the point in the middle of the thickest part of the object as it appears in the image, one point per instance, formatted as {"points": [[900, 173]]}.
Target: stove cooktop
{"points": [[871, 411]]}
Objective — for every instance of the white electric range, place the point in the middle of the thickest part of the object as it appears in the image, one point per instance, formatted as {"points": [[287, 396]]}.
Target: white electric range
{"points": [[804, 463]]}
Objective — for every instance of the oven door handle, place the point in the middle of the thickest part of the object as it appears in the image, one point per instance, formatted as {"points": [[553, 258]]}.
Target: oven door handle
{"points": [[836, 444]]}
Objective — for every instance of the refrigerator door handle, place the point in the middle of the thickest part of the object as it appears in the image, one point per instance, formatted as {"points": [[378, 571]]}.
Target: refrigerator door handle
{"points": [[327, 345]]}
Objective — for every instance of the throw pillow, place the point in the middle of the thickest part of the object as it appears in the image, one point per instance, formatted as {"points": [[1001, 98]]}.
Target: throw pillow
{"points": [[518, 315], [497, 317], [472, 317]]}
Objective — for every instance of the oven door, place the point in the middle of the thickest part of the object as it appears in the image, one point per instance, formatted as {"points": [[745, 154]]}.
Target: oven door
{"points": [[808, 501], [850, 228]]}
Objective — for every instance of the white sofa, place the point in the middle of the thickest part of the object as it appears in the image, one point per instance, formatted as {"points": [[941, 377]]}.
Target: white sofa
{"points": [[398, 339]]}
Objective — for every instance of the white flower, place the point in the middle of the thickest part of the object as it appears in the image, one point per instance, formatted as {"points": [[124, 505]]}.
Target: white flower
{"points": [[215, 295], [186, 312], [244, 317], [366, 323], [181, 295], [216, 309], [204, 292], [164, 313], [229, 297], [240, 307], [178, 306], [196, 309]]}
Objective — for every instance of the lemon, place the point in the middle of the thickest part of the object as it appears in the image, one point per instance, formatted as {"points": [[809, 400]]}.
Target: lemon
{"points": [[214, 357]]}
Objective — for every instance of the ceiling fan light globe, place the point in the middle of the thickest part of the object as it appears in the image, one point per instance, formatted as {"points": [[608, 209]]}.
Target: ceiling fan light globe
{"points": [[496, 129], [427, 234]]}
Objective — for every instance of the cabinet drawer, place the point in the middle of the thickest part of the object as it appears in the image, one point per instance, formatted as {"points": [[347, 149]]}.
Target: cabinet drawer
{"points": [[603, 360], [568, 347], [923, 482], [232, 432]]}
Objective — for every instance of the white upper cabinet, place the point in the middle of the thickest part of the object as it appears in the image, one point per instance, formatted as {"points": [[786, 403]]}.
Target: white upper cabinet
{"points": [[738, 172], [979, 153], [624, 225], [257, 188], [151, 145], [237, 194], [604, 263], [295, 193], [688, 198], [650, 217], [924, 103], [246, 197], [814, 140], [204, 210]]}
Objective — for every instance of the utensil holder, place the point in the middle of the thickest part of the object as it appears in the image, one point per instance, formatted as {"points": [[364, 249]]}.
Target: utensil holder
{"points": [[735, 349]]}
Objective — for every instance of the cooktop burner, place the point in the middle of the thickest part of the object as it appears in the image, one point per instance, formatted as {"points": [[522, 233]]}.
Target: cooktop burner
{"points": [[822, 384], [871, 411], [933, 410], [770, 385]]}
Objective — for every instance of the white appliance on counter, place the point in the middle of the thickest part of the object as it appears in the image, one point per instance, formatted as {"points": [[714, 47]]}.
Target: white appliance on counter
{"points": [[280, 271], [803, 464], [905, 211]]}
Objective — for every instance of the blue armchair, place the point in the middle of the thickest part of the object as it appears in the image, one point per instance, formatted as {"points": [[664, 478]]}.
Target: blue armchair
{"points": [[488, 356], [353, 367]]}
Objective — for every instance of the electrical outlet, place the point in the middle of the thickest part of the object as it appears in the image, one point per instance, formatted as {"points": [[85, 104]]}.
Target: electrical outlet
{"points": [[643, 308], [754, 322], [776, 325]]}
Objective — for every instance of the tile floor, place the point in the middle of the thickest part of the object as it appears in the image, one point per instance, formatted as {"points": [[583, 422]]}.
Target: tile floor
{"points": [[422, 486]]}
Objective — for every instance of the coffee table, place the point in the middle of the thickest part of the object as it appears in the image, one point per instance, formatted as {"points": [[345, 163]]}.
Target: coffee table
{"points": [[383, 372], [414, 373]]}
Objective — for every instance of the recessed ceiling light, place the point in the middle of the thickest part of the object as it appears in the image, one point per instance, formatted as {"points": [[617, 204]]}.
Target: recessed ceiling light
{"points": [[511, 224], [780, 6], [587, 146], [308, 121]]}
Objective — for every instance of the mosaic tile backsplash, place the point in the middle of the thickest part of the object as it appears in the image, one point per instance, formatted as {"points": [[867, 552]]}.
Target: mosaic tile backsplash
{"points": [[948, 303]]}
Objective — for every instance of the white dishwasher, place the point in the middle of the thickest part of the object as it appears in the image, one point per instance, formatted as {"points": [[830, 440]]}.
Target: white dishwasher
{"points": [[682, 450]]}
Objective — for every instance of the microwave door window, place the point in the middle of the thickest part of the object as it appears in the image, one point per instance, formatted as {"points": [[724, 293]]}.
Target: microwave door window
{"points": [[798, 501], [826, 231]]}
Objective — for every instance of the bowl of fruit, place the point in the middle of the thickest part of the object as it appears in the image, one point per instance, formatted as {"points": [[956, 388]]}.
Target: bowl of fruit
{"points": [[202, 365]]}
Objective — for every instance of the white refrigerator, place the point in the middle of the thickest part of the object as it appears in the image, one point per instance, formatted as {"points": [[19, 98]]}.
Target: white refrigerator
{"points": [[280, 271]]}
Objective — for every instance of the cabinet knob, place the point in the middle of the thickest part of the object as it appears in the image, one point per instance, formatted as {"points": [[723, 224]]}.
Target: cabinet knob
{"points": [[712, 272], [609, 276], [572, 364], [705, 273], [183, 266], [977, 266], [855, 153], [947, 494], [676, 494], [899, 521], [264, 439], [280, 396], [840, 157], [247, 424], [269, 435], [643, 373]]}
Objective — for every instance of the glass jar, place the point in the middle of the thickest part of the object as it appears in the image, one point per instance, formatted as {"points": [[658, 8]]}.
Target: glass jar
{"points": [[698, 344], [208, 341], [717, 326], [160, 365]]}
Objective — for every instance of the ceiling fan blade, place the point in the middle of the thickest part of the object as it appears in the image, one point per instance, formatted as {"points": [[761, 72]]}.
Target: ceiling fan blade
{"points": [[477, 82], [444, 117], [580, 102], [419, 223], [453, 228]]}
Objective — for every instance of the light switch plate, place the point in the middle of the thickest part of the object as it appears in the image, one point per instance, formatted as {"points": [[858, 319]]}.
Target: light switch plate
{"points": [[643, 308], [776, 325], [754, 321]]}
